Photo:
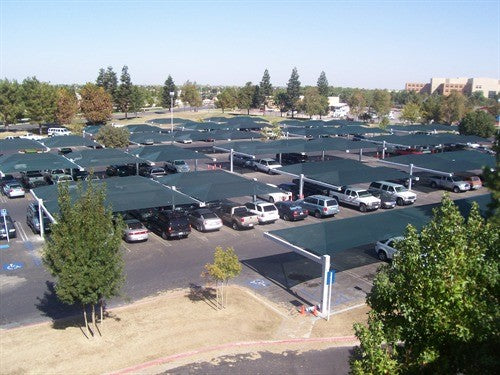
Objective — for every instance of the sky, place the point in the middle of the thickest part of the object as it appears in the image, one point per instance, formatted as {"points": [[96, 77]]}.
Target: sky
{"points": [[366, 44]]}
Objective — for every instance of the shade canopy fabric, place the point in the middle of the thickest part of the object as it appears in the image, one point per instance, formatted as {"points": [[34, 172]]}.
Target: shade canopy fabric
{"points": [[176, 121], [102, 157], [453, 161], [316, 132], [426, 140], [423, 128], [209, 186], [165, 153], [68, 141], [141, 128], [19, 144], [150, 138], [330, 237], [122, 194], [92, 129], [33, 162]]}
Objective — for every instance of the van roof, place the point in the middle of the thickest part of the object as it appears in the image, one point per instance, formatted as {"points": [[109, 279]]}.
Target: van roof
{"points": [[388, 183]]}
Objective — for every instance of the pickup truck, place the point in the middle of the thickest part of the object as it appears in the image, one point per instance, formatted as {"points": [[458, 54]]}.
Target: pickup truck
{"points": [[238, 217], [357, 197], [454, 183], [266, 165]]}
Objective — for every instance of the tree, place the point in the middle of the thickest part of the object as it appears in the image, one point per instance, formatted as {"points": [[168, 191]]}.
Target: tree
{"points": [[11, 104], [114, 137], [225, 266], [477, 123], [168, 87], [125, 94], [272, 132], [381, 102], [293, 91], [435, 309], [95, 104], [83, 252], [67, 106], [245, 96], [384, 123], [492, 181], [266, 89], [39, 100], [357, 103], [191, 95], [314, 103], [431, 109], [257, 98], [411, 112], [322, 84], [136, 100], [226, 99], [281, 101], [453, 107], [108, 80]]}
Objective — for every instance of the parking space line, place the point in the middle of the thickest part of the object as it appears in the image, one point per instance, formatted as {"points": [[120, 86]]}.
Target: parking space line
{"points": [[160, 240], [199, 235], [21, 231], [358, 277]]}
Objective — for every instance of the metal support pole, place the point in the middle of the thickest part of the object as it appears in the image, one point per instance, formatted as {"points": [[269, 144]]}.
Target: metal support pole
{"points": [[40, 217], [411, 177], [383, 150], [231, 154], [324, 289], [360, 154], [280, 157], [195, 165], [137, 168], [323, 155], [172, 93], [301, 186]]}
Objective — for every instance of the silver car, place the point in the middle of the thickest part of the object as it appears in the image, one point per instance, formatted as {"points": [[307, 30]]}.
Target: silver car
{"points": [[134, 231], [13, 189], [385, 249], [319, 205], [204, 220]]}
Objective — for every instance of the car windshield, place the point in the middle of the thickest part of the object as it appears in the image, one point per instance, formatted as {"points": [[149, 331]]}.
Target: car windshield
{"points": [[134, 225], [269, 208], [179, 162], [457, 179], [240, 210], [209, 215], [400, 189], [331, 203], [364, 193], [273, 163], [15, 186]]}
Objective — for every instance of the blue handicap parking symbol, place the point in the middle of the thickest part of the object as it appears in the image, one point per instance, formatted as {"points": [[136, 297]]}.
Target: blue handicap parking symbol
{"points": [[4, 247], [12, 266], [258, 283]]}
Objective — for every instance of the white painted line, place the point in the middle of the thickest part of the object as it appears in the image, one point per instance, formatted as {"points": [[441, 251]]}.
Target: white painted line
{"points": [[21, 231], [267, 304], [348, 308], [358, 277]]}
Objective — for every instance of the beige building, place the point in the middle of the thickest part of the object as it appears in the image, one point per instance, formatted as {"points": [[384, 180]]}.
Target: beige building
{"points": [[445, 86]]}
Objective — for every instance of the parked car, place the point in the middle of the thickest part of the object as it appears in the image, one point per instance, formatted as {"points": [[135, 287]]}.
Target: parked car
{"points": [[266, 165], [204, 220], [290, 187], [135, 231], [151, 172], [473, 181], [169, 224], [63, 178], [177, 166], [357, 197], [13, 189], [453, 183], [319, 205], [386, 200], [79, 175], [266, 212], [291, 211], [242, 160], [64, 150], [27, 178], [292, 157], [237, 216], [385, 249], [120, 170], [6, 179], [398, 192], [406, 181], [277, 196], [11, 229], [33, 218]]}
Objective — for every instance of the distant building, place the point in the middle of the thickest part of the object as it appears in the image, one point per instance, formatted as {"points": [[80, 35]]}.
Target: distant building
{"points": [[445, 86], [337, 109]]}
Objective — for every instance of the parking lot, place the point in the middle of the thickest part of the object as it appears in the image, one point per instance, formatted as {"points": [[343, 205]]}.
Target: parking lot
{"points": [[269, 269]]}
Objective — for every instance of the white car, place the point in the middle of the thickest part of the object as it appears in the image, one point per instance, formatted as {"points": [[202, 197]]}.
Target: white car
{"points": [[266, 212], [385, 249], [266, 165], [277, 196], [13, 189]]}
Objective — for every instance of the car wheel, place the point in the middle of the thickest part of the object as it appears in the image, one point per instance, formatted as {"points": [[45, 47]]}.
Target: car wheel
{"points": [[317, 214], [286, 218], [271, 199], [362, 207], [164, 235], [400, 202], [235, 225], [382, 255], [456, 189], [199, 228], [433, 185]]}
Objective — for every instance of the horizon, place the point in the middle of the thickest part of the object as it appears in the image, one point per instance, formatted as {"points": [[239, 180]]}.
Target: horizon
{"points": [[219, 43]]}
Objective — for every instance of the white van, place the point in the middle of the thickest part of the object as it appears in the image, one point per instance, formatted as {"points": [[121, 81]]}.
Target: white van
{"points": [[58, 131]]}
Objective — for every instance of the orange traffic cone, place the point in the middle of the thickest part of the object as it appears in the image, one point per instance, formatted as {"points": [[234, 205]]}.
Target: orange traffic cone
{"points": [[315, 312], [302, 310]]}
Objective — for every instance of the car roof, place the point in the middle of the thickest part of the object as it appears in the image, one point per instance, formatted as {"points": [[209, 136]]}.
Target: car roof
{"points": [[318, 196]]}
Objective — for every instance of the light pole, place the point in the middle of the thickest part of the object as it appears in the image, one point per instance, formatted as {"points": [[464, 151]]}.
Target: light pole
{"points": [[172, 93]]}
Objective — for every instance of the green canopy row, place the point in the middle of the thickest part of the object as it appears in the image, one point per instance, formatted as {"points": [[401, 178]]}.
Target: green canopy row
{"points": [[14, 163], [102, 157], [20, 144], [164, 153], [68, 141], [412, 140]]}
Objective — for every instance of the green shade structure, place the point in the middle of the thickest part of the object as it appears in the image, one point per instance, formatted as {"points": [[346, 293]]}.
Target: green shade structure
{"points": [[20, 144], [141, 128], [68, 141], [164, 153], [426, 140], [34, 162], [102, 157]]}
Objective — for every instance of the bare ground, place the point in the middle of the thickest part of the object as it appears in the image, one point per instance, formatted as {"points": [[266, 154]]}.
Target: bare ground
{"points": [[163, 326]]}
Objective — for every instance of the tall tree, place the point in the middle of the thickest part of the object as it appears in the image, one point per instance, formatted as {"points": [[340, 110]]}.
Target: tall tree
{"points": [[257, 97], [95, 104], [266, 89], [492, 181], [108, 80], [168, 87], [245, 96], [83, 252], [435, 309], [381, 102], [67, 106], [323, 86], [11, 104], [411, 112], [431, 109], [281, 101], [125, 91], [136, 100], [113, 137], [314, 103], [191, 95], [477, 123], [227, 99], [453, 107], [39, 100], [357, 103], [293, 91]]}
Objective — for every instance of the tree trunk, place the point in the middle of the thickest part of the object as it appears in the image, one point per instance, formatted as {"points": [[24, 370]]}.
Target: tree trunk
{"points": [[102, 311], [86, 321], [126, 114], [248, 111], [93, 316]]}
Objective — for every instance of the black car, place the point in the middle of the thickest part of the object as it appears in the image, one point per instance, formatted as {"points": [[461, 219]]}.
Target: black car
{"points": [[10, 227], [79, 175], [120, 170], [290, 211], [292, 157], [65, 150], [169, 224]]}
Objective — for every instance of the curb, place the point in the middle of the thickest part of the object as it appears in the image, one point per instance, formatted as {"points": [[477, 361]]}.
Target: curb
{"points": [[173, 357]]}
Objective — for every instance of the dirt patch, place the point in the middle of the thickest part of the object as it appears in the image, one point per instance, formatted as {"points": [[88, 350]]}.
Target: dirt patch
{"points": [[340, 324], [159, 327]]}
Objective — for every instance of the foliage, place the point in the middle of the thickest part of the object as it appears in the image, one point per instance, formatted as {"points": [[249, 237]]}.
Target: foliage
{"points": [[272, 132], [477, 123], [436, 308], [108, 80], [67, 106], [227, 99], [191, 95], [225, 267], [114, 137], [11, 103], [384, 123], [401, 98], [136, 99], [381, 102], [357, 102], [168, 87], [83, 252], [322, 84], [245, 96], [453, 107], [293, 91], [314, 103], [125, 92], [266, 89], [281, 101], [411, 112], [492, 181], [257, 98], [431, 109], [39, 100], [95, 104]]}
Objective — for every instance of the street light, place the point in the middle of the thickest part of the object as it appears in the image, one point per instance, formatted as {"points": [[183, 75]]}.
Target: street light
{"points": [[172, 93]]}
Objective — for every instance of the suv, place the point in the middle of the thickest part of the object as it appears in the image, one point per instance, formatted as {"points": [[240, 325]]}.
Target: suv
{"points": [[120, 170], [266, 165], [29, 177], [292, 157], [266, 212], [10, 227], [177, 166], [169, 224], [242, 160], [398, 192], [320, 205], [33, 219]]}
